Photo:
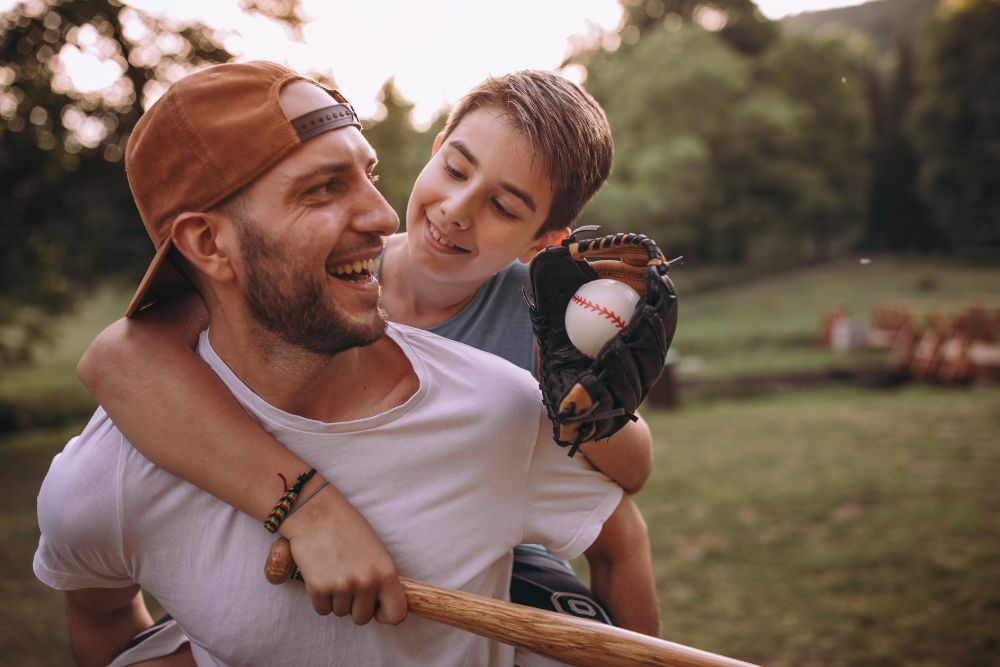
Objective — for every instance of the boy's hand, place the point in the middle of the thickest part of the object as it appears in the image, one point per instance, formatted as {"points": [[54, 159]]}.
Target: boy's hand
{"points": [[346, 567], [592, 399]]}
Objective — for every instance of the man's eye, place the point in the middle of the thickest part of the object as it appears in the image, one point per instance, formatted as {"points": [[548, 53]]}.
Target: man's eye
{"points": [[324, 188]]}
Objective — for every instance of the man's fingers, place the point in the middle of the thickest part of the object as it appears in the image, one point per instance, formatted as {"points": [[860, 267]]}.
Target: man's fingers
{"points": [[391, 604]]}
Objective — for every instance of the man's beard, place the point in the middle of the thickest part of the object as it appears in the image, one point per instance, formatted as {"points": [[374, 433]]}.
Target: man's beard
{"points": [[293, 307]]}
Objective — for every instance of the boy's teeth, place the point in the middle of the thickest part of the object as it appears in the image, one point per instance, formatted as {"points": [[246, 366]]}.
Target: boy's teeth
{"points": [[440, 239]]}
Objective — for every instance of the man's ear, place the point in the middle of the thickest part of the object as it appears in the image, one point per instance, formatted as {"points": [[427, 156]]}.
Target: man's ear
{"points": [[554, 237], [438, 140], [205, 240]]}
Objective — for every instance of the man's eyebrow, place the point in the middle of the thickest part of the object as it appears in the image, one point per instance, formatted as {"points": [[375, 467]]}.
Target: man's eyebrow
{"points": [[329, 168], [460, 146], [326, 169]]}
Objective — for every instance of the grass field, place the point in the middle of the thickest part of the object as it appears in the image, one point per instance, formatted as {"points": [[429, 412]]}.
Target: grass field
{"points": [[770, 324], [823, 527], [831, 527]]}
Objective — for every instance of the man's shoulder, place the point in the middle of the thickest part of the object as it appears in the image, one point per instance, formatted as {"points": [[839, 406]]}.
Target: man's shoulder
{"points": [[428, 344], [488, 376], [78, 498]]}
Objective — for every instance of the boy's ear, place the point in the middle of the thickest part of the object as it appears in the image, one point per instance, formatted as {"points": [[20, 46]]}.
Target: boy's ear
{"points": [[554, 237], [438, 140], [204, 241]]}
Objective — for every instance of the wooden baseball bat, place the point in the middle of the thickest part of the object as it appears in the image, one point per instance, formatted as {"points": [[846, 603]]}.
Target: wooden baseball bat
{"points": [[558, 636]]}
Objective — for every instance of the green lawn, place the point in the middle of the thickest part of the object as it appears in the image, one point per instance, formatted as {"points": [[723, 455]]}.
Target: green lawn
{"points": [[769, 325], [48, 392], [832, 527]]}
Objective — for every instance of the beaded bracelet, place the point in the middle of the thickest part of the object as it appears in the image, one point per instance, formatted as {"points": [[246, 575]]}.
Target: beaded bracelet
{"points": [[286, 502]]}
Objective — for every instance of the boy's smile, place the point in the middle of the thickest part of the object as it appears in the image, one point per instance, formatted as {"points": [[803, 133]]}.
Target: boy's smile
{"points": [[479, 202]]}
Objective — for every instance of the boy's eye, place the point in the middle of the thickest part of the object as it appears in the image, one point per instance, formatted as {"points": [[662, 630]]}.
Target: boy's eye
{"points": [[502, 211]]}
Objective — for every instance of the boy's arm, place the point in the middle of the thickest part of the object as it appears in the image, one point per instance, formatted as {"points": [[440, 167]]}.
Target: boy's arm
{"points": [[621, 570], [145, 374], [626, 457]]}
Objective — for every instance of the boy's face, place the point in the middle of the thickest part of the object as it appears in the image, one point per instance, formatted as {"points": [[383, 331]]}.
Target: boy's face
{"points": [[479, 202]]}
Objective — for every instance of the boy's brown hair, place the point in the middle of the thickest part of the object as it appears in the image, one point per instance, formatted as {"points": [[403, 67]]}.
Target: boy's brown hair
{"points": [[566, 127]]}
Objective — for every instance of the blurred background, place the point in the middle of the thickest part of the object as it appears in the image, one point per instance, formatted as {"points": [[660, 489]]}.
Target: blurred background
{"points": [[828, 430]]}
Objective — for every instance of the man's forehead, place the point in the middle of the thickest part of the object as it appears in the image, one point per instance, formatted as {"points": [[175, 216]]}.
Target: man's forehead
{"points": [[335, 151], [301, 97]]}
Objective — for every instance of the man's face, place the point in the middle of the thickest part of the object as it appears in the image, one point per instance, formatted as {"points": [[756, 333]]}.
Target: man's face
{"points": [[311, 235], [479, 202]]}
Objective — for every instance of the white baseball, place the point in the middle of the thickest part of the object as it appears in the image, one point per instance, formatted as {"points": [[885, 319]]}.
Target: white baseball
{"points": [[597, 312]]}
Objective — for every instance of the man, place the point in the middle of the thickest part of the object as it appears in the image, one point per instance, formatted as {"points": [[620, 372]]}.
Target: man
{"points": [[262, 184]]}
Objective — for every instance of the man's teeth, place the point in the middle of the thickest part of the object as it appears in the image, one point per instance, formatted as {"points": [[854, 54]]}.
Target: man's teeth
{"points": [[355, 267], [440, 239]]}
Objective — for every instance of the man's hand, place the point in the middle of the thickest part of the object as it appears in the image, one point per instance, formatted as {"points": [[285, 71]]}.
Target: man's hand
{"points": [[346, 567]]}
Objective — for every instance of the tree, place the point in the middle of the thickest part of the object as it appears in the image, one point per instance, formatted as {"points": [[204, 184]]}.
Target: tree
{"points": [[69, 220], [403, 149], [726, 156], [955, 125], [896, 218], [738, 22]]}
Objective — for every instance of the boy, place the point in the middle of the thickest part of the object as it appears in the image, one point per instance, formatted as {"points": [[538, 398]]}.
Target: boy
{"points": [[516, 162]]}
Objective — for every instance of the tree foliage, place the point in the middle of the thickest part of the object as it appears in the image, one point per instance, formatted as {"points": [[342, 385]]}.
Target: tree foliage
{"points": [[738, 22], [69, 221], [731, 156], [402, 150], [956, 125], [896, 219]]}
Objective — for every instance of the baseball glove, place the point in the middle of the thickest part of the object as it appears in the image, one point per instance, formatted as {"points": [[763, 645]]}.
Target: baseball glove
{"points": [[592, 399]]}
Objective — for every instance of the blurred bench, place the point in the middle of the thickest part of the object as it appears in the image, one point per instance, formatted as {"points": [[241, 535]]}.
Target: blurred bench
{"points": [[961, 348]]}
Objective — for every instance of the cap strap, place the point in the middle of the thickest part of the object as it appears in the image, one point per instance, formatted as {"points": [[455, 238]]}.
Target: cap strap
{"points": [[323, 120]]}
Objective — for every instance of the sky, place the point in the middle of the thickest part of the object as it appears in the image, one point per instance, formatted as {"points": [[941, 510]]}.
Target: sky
{"points": [[435, 50]]}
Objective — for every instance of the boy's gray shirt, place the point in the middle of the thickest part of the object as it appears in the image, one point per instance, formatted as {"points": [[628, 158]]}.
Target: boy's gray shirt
{"points": [[496, 320]]}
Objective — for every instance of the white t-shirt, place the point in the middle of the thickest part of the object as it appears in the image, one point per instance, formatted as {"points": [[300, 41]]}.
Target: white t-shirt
{"points": [[450, 481]]}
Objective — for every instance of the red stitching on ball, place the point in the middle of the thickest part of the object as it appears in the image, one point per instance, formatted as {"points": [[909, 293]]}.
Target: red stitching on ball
{"points": [[600, 310]]}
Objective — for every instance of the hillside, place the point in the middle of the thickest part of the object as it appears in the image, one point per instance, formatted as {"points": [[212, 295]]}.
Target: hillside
{"points": [[882, 22]]}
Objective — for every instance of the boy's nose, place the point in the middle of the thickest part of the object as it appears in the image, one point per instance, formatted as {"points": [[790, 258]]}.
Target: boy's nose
{"points": [[456, 212]]}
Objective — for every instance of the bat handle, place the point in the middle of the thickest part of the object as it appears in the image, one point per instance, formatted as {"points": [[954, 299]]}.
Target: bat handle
{"points": [[280, 566]]}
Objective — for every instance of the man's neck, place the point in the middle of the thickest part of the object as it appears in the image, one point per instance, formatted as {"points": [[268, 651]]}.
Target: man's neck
{"points": [[356, 383]]}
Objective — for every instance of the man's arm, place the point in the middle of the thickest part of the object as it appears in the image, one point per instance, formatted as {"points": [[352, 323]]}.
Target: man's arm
{"points": [[626, 457], [621, 570], [145, 374], [101, 621]]}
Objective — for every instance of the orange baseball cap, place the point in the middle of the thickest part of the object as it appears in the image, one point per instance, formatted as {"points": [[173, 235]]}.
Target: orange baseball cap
{"points": [[211, 134]]}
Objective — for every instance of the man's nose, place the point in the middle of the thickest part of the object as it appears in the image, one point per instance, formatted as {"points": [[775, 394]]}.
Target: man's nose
{"points": [[378, 216]]}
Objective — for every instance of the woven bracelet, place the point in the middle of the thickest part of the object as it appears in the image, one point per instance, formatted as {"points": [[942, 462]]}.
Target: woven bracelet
{"points": [[307, 498], [286, 502]]}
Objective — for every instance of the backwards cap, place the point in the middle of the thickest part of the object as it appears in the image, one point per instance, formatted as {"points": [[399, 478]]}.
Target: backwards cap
{"points": [[210, 135]]}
